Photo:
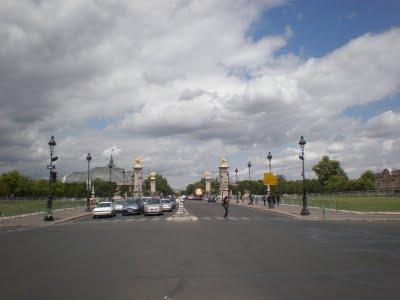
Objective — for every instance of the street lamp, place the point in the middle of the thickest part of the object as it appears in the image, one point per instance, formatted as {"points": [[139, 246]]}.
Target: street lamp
{"points": [[110, 165], [237, 187], [236, 171], [228, 183], [304, 211], [123, 180], [52, 178], [249, 166], [269, 160], [88, 158]]}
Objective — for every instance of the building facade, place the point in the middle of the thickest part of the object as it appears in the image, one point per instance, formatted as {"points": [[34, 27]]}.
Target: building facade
{"points": [[387, 180]]}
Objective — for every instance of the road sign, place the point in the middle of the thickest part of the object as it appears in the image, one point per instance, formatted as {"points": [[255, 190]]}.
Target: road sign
{"points": [[270, 179]]}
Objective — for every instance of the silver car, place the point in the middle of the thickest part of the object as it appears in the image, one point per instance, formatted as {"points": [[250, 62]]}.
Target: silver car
{"points": [[153, 207], [166, 204]]}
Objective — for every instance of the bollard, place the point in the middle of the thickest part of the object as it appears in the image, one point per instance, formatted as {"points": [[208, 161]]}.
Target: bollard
{"points": [[323, 211]]}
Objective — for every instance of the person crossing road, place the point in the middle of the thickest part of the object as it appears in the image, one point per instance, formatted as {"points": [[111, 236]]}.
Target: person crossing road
{"points": [[225, 204]]}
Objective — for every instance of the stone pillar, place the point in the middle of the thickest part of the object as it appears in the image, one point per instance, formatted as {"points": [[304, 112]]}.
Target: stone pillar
{"points": [[153, 183], [208, 183], [137, 179], [223, 178]]}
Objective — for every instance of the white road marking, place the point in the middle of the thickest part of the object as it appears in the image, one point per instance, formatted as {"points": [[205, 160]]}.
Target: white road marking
{"points": [[220, 218], [155, 219], [233, 218], [142, 219], [245, 218]]}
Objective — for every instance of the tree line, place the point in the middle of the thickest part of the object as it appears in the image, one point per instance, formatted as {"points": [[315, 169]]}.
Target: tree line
{"points": [[330, 178], [15, 184]]}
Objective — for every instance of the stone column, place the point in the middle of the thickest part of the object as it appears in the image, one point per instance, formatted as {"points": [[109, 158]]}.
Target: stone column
{"points": [[153, 183], [137, 179], [223, 178], [208, 183]]}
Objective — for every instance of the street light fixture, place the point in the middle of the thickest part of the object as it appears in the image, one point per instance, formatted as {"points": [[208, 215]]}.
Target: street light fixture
{"points": [[236, 171], [269, 160], [249, 166], [237, 187], [52, 178], [304, 211], [110, 166], [123, 180], [88, 158]]}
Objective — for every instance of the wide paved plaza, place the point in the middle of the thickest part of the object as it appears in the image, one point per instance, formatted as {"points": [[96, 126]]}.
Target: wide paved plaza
{"points": [[251, 255]]}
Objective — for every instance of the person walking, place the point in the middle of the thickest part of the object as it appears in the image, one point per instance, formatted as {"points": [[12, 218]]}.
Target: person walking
{"points": [[264, 199], [225, 204], [278, 199]]}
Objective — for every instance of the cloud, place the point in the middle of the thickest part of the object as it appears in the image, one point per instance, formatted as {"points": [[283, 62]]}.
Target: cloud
{"points": [[183, 84]]}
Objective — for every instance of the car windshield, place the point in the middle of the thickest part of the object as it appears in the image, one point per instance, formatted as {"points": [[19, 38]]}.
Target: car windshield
{"points": [[165, 201], [132, 202], [104, 204], [153, 201]]}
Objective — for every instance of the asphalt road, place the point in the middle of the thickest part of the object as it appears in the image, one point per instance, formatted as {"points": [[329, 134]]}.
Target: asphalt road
{"points": [[251, 255]]}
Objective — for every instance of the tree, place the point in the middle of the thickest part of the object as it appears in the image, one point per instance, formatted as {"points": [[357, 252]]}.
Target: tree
{"points": [[14, 184], [104, 188], [162, 186], [326, 169]]}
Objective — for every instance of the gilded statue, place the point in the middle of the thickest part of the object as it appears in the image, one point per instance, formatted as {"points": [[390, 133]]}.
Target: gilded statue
{"points": [[138, 162]]}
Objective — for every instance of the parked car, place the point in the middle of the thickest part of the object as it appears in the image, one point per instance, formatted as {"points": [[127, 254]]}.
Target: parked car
{"points": [[166, 204], [104, 209], [119, 204], [133, 207], [153, 207]]}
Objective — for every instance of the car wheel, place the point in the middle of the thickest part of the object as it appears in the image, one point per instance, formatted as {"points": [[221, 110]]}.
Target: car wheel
{"points": [[94, 217]]}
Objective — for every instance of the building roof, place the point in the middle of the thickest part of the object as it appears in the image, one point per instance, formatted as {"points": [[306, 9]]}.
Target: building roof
{"points": [[102, 173]]}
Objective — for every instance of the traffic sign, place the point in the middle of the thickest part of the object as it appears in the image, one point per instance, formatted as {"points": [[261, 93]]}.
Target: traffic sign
{"points": [[270, 179]]}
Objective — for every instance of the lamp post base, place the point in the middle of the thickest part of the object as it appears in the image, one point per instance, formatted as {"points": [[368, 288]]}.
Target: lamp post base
{"points": [[48, 218], [305, 211]]}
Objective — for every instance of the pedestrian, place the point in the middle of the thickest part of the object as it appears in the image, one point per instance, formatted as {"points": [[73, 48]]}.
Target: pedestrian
{"points": [[225, 204], [264, 199], [278, 199]]}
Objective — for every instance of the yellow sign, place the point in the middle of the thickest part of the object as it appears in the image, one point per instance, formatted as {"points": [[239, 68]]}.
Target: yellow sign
{"points": [[270, 179]]}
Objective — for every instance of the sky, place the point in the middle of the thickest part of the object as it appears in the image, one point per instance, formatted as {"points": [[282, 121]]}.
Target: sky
{"points": [[182, 83]]}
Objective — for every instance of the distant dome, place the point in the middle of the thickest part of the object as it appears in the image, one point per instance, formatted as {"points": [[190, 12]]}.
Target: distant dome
{"points": [[102, 173]]}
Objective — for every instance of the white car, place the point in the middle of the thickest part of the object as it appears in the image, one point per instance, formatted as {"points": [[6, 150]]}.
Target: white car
{"points": [[119, 204], [166, 204], [153, 207], [104, 209]]}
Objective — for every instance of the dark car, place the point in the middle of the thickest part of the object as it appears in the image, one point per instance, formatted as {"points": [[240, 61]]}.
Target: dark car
{"points": [[211, 199], [132, 207]]}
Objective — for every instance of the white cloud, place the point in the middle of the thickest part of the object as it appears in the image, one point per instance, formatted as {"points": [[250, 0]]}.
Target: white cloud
{"points": [[183, 84]]}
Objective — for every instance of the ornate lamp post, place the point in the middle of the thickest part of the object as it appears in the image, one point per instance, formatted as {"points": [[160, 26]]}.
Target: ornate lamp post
{"points": [[249, 166], [52, 178], [304, 211], [110, 166], [270, 203], [123, 180], [269, 157], [237, 187], [88, 158], [236, 171]]}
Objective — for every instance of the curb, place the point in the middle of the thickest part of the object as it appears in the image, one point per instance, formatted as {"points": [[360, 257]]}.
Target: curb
{"points": [[36, 213], [271, 211], [73, 217], [322, 219]]}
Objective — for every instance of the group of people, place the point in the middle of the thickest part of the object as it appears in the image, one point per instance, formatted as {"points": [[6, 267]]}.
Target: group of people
{"points": [[273, 199]]}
